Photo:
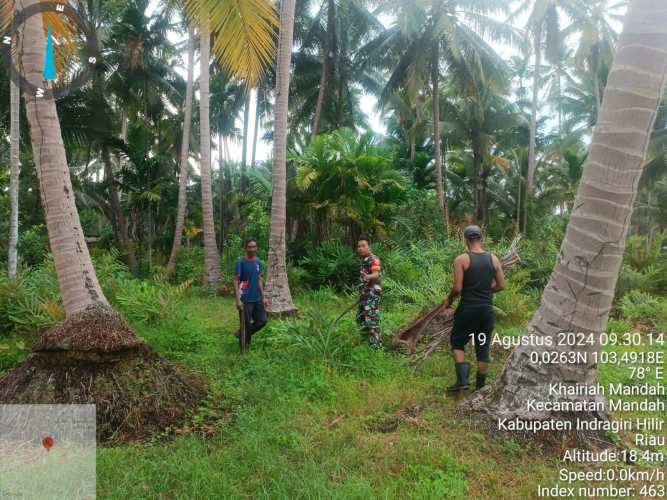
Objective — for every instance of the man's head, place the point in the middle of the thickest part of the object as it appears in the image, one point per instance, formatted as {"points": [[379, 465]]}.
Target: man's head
{"points": [[250, 246], [473, 236], [363, 246]]}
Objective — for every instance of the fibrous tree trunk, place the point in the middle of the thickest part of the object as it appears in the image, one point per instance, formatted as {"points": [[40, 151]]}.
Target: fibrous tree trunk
{"points": [[326, 67], [118, 218], [580, 292], [437, 152], [278, 294], [14, 171], [185, 154], [211, 256]]}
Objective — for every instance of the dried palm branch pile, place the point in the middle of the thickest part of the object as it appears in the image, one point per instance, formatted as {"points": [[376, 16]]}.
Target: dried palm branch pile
{"points": [[433, 326]]}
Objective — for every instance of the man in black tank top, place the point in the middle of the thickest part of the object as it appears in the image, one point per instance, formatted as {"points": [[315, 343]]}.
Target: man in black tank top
{"points": [[477, 276]]}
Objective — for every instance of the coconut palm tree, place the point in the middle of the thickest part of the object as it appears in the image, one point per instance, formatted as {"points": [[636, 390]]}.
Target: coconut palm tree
{"points": [[424, 38], [579, 295], [544, 29], [278, 294], [76, 276], [244, 46], [185, 155], [211, 255]]}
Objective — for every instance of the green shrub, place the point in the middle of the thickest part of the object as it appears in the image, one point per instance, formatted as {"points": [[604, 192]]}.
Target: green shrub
{"points": [[641, 307], [644, 266], [332, 264], [189, 265], [33, 245], [33, 303]]}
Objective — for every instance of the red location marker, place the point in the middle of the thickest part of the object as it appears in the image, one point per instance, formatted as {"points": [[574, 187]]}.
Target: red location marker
{"points": [[47, 443]]}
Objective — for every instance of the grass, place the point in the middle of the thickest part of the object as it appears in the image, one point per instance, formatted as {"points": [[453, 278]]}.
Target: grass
{"points": [[363, 425], [323, 418]]}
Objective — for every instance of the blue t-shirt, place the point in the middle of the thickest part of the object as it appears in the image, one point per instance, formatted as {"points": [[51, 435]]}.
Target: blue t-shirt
{"points": [[248, 272]]}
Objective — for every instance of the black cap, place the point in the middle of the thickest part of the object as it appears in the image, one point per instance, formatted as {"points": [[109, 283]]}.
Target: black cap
{"points": [[472, 233]]}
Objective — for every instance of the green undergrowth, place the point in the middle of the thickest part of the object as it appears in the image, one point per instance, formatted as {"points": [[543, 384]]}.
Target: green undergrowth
{"points": [[305, 416]]}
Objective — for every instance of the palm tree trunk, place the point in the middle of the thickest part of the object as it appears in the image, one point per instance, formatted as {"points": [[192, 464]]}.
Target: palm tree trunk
{"points": [[14, 171], [439, 185], [278, 294], [580, 292], [117, 216], [211, 256], [533, 112], [244, 153], [326, 65], [258, 114], [76, 276], [185, 154], [221, 186]]}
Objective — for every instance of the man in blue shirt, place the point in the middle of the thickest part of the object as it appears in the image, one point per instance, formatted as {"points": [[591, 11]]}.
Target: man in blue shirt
{"points": [[249, 290]]}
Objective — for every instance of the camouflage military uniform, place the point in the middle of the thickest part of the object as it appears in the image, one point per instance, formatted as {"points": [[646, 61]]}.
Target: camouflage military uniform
{"points": [[368, 315]]}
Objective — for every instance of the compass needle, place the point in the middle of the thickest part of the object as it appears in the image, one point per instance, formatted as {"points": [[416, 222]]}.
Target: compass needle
{"points": [[50, 59]]}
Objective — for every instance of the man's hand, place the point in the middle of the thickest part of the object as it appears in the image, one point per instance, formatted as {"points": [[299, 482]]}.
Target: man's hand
{"points": [[364, 275], [239, 304], [265, 303], [449, 311]]}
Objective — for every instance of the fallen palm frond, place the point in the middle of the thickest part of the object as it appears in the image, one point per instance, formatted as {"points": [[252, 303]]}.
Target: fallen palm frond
{"points": [[433, 325]]}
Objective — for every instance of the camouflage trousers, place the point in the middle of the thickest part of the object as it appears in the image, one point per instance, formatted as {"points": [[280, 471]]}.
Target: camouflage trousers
{"points": [[368, 316]]}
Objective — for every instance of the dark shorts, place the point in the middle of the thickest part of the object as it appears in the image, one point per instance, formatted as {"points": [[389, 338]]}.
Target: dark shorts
{"points": [[477, 322]]}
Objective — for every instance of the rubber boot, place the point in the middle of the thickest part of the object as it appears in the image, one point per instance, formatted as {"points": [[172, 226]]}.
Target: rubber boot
{"points": [[480, 381], [462, 374]]}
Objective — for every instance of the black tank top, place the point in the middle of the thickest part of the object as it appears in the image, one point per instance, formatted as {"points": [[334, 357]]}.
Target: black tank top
{"points": [[478, 280]]}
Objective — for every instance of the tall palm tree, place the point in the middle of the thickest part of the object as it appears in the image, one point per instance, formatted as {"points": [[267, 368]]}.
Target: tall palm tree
{"points": [[579, 295], [597, 42], [76, 276], [278, 294], [443, 33], [243, 45], [211, 255], [327, 63], [14, 171], [185, 155], [544, 29]]}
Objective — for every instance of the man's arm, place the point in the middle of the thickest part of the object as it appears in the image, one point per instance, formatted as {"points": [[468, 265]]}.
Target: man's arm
{"points": [[458, 282], [499, 282]]}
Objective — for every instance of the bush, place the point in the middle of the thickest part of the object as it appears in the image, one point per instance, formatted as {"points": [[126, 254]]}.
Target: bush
{"points": [[641, 307], [33, 303], [332, 264], [189, 265], [33, 245], [644, 267]]}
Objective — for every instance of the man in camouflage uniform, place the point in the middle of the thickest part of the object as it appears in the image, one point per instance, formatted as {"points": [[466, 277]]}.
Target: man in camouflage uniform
{"points": [[368, 315]]}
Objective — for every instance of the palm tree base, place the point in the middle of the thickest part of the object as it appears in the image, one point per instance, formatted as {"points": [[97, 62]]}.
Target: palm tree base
{"points": [[490, 405], [285, 314], [136, 392]]}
